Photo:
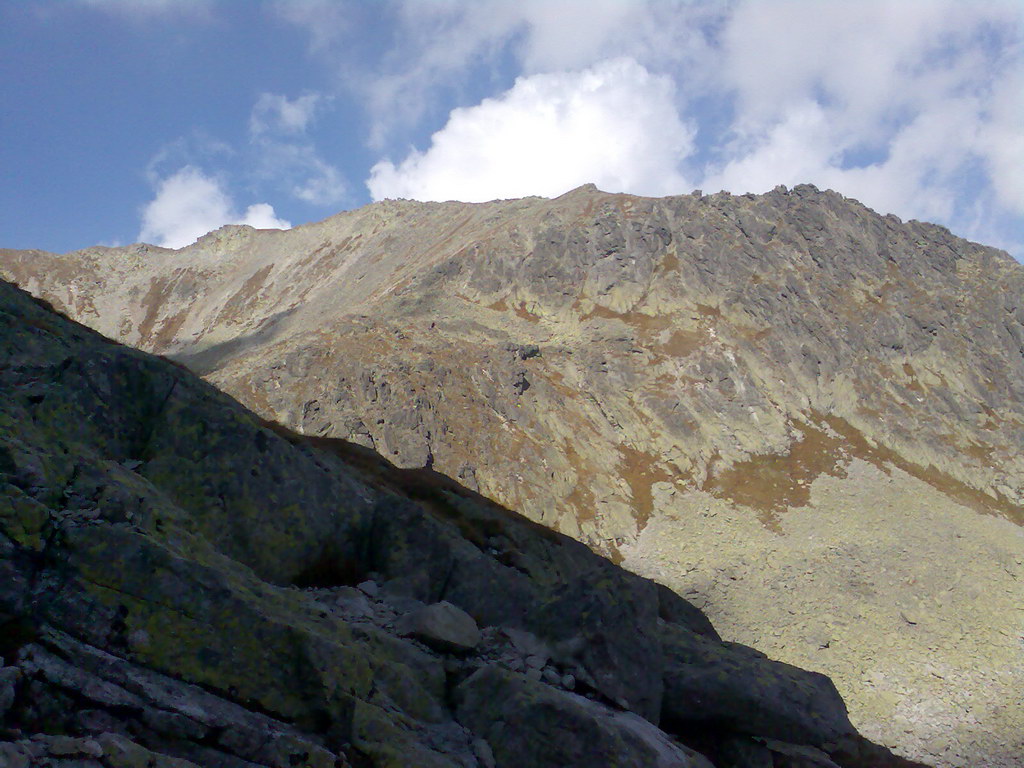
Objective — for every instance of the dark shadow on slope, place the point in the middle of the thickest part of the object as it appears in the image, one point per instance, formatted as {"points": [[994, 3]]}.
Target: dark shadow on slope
{"points": [[432, 488], [204, 361]]}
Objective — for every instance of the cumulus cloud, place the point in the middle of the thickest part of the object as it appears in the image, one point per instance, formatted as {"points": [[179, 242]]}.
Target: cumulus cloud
{"points": [[613, 124], [912, 106], [892, 103], [188, 204], [437, 47]]}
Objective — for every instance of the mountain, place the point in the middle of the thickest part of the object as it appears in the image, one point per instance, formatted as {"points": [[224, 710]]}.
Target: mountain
{"points": [[183, 584], [801, 415]]}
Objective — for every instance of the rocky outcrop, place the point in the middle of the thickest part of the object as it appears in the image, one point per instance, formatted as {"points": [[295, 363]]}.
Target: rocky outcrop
{"points": [[184, 584], [783, 406], [442, 626]]}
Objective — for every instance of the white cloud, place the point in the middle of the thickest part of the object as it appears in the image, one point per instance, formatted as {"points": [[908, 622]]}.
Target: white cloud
{"points": [[1002, 142], [917, 178], [443, 45], [276, 113], [614, 124], [912, 106], [916, 83], [189, 204]]}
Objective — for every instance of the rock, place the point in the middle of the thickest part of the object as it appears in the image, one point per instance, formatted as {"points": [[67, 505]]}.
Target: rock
{"points": [[520, 383], [513, 714], [202, 627], [17, 756], [677, 610], [66, 746], [527, 644], [568, 682], [442, 626], [536, 662], [352, 602], [797, 756], [482, 751], [678, 333], [708, 681], [743, 753], [121, 752], [9, 677], [369, 588]]}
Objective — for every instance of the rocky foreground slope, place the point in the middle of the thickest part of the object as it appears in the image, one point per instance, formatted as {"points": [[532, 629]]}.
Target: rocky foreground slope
{"points": [[803, 415], [183, 584]]}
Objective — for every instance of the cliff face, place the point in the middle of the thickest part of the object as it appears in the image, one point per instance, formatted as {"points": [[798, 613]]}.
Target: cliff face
{"points": [[803, 415], [183, 584]]}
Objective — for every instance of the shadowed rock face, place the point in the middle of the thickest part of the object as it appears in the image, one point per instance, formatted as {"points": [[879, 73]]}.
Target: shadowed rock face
{"points": [[783, 406], [183, 584]]}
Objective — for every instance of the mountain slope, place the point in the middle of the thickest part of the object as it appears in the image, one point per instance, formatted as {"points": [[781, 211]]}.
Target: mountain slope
{"points": [[177, 589], [770, 403]]}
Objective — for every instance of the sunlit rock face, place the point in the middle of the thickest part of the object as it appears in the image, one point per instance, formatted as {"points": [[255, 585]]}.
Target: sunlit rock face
{"points": [[782, 405]]}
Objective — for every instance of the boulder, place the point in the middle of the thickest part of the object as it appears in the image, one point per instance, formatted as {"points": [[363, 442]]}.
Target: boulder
{"points": [[442, 626], [796, 756], [734, 687], [8, 679], [517, 718]]}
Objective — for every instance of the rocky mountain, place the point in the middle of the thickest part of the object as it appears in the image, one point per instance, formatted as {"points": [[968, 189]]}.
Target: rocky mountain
{"points": [[803, 416], [184, 584]]}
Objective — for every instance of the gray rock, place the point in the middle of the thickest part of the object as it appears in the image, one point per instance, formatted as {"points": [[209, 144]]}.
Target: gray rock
{"points": [[536, 662], [708, 681], [677, 610], [352, 603], [442, 626], [9, 677], [239, 531], [121, 752], [527, 643], [743, 752], [516, 715], [482, 751], [67, 746], [369, 588], [16, 756], [797, 756]]}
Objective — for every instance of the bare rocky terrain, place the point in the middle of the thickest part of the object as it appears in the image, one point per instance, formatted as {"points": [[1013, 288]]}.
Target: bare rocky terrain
{"points": [[185, 585], [782, 406]]}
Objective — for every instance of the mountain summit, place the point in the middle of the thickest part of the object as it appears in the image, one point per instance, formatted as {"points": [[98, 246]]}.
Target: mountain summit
{"points": [[802, 415]]}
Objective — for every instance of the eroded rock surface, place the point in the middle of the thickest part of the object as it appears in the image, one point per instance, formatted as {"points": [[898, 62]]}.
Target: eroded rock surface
{"points": [[612, 365], [184, 584]]}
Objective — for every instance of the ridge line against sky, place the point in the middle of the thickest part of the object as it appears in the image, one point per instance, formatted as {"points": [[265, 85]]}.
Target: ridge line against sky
{"points": [[159, 120]]}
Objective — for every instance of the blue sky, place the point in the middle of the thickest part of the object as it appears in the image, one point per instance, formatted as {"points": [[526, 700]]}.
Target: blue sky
{"points": [[158, 120]]}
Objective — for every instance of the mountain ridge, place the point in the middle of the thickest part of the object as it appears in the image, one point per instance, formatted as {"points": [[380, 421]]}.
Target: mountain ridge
{"points": [[608, 364]]}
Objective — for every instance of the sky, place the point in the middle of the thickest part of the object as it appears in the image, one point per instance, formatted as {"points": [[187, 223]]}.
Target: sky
{"points": [[160, 120]]}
